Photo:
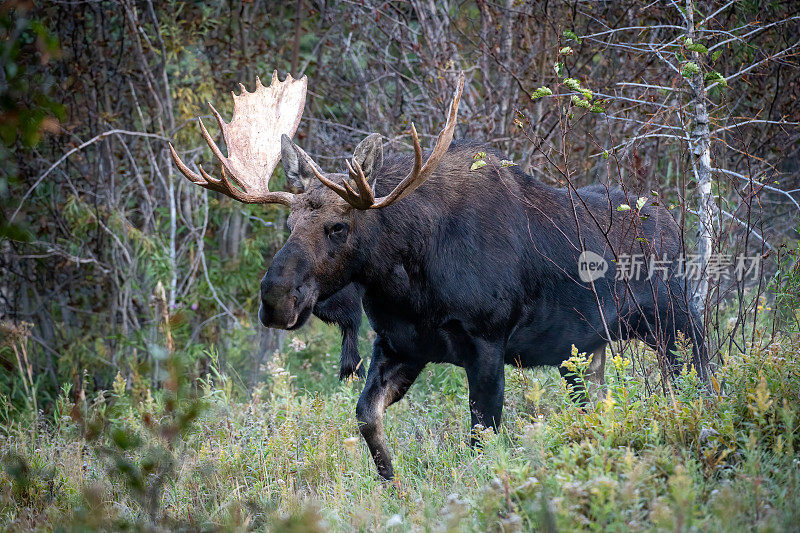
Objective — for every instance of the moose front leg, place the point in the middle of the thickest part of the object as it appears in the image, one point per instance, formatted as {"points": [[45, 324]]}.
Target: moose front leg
{"points": [[343, 308], [596, 373], [487, 383], [388, 381]]}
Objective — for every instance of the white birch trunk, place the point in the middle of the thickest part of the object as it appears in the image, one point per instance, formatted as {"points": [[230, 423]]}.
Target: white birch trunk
{"points": [[700, 145]]}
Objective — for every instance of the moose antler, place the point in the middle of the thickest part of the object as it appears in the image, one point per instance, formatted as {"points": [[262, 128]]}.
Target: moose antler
{"points": [[364, 198], [253, 140]]}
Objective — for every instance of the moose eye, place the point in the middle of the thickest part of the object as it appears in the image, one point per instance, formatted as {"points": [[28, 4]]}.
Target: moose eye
{"points": [[337, 230]]}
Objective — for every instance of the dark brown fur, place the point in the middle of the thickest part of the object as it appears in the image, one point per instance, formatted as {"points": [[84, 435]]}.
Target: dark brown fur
{"points": [[475, 268]]}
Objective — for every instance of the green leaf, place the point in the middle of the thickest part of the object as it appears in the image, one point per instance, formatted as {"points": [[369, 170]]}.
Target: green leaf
{"points": [[480, 163], [479, 155], [697, 47], [579, 102], [559, 69], [690, 68], [572, 83], [605, 154], [623, 207], [715, 77], [571, 35], [597, 109], [716, 55], [640, 203], [566, 51], [507, 163], [540, 92]]}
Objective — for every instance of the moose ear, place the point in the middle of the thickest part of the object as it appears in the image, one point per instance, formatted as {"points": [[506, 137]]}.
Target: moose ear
{"points": [[296, 164], [369, 154]]}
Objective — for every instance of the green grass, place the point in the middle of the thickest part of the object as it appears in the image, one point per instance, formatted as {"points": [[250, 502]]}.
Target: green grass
{"points": [[197, 455]]}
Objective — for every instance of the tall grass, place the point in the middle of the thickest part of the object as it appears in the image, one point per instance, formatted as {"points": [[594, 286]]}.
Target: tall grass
{"points": [[198, 456]]}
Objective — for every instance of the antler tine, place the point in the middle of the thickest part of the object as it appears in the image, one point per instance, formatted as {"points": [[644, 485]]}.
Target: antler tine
{"points": [[362, 199], [363, 185], [338, 189], [365, 197], [347, 194], [210, 181], [210, 141], [351, 193], [218, 153], [417, 150], [204, 179], [192, 176], [420, 172]]}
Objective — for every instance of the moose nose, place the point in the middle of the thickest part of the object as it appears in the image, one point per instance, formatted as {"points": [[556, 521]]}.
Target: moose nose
{"points": [[279, 304], [284, 288]]}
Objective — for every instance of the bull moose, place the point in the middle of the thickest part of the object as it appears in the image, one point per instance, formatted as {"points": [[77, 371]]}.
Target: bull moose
{"points": [[478, 268]]}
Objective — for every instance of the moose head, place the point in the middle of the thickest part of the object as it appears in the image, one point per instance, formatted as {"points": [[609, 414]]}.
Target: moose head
{"points": [[330, 219]]}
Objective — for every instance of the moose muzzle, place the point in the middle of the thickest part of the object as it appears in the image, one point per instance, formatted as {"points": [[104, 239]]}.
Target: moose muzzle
{"points": [[287, 295]]}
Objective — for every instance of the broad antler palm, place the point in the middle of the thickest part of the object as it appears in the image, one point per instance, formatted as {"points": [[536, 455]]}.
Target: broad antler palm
{"points": [[253, 141]]}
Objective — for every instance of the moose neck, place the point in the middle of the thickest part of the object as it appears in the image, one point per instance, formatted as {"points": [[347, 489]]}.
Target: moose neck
{"points": [[400, 244], [394, 243]]}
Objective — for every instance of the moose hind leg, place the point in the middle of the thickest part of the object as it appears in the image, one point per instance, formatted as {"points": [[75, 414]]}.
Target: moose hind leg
{"points": [[387, 382], [596, 373], [692, 328], [486, 379]]}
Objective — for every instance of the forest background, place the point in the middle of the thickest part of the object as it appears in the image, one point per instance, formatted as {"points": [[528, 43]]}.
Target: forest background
{"points": [[118, 277]]}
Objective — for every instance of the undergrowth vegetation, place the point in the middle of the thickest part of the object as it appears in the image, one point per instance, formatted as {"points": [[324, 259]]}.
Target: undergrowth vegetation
{"points": [[200, 455]]}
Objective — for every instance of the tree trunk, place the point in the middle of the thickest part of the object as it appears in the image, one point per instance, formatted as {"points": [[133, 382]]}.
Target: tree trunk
{"points": [[700, 145]]}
